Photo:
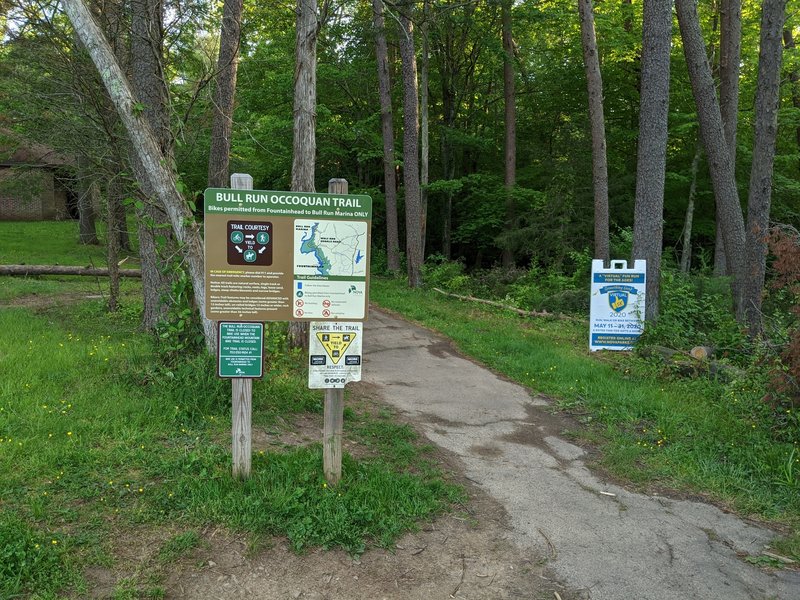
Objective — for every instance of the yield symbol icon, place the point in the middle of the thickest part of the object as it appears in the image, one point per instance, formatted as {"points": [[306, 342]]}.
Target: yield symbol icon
{"points": [[336, 344], [249, 243]]}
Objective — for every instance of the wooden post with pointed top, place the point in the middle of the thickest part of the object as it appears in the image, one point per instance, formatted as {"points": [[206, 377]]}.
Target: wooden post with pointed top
{"points": [[241, 391], [334, 400]]}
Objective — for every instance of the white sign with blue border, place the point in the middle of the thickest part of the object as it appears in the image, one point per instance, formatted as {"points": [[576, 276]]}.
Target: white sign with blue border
{"points": [[616, 317]]}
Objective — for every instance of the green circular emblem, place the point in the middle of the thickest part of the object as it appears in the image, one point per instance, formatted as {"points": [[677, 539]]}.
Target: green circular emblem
{"points": [[262, 237], [237, 237]]}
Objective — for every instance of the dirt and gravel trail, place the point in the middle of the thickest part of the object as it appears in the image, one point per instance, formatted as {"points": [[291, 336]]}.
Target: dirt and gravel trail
{"points": [[599, 539], [539, 524]]}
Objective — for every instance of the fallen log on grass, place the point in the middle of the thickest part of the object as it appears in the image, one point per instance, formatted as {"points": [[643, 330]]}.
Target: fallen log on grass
{"points": [[28, 270], [702, 352], [694, 363], [519, 311]]}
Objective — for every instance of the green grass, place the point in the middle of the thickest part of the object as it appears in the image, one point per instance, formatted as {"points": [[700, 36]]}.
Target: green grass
{"points": [[99, 438], [47, 243], [94, 435], [53, 243], [287, 494], [789, 546], [696, 435], [31, 559], [179, 546]]}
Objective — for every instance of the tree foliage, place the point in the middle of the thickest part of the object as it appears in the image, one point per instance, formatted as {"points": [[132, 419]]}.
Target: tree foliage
{"points": [[49, 92]]}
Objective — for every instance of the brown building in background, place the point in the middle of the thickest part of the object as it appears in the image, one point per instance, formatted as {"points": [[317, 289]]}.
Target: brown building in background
{"points": [[34, 181]]}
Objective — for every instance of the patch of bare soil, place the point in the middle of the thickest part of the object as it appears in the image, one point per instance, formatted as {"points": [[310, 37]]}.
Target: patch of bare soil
{"points": [[465, 554], [461, 555]]}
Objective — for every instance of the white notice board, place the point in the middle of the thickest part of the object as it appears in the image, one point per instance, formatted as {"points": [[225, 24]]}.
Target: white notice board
{"points": [[616, 316], [334, 354]]}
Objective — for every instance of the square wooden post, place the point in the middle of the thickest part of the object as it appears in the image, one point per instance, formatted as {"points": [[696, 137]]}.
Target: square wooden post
{"points": [[241, 391], [334, 401]]}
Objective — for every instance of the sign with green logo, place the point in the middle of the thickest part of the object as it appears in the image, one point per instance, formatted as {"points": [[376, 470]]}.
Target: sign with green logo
{"points": [[240, 352], [286, 256]]}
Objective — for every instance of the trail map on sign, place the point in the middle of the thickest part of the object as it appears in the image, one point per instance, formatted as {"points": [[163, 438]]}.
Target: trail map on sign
{"points": [[336, 344], [286, 256], [330, 248]]}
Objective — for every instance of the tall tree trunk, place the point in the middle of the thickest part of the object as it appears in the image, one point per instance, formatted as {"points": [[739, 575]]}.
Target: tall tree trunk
{"points": [[147, 77], [87, 230], [113, 193], [305, 97], [424, 123], [635, 65], [117, 208], [387, 130], [411, 147], [713, 135], [458, 56], [652, 152], [594, 80], [510, 145], [224, 93], [159, 176], [773, 13], [794, 78], [448, 156], [449, 66], [730, 50], [87, 214], [720, 260], [112, 16], [686, 252], [305, 120]]}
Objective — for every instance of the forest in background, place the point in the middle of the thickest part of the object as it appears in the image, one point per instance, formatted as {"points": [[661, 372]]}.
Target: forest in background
{"points": [[49, 94], [490, 97], [553, 193]]}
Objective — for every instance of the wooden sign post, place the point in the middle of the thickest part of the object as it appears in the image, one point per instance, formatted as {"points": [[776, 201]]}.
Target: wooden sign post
{"points": [[241, 391], [284, 256], [334, 401]]}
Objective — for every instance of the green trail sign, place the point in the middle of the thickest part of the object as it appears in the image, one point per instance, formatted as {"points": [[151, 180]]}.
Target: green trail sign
{"points": [[286, 256], [240, 352]]}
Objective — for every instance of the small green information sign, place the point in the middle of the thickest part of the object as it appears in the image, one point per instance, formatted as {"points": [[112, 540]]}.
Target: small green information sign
{"points": [[240, 352]]}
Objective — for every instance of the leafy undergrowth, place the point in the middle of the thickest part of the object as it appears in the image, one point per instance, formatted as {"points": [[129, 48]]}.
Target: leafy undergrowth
{"points": [[96, 438], [703, 436]]}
